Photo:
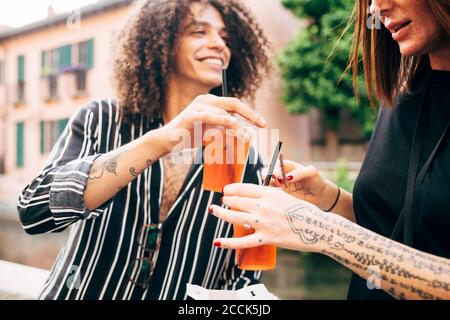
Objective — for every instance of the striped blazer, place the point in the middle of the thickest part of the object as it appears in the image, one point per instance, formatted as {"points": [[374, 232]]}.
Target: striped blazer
{"points": [[102, 244]]}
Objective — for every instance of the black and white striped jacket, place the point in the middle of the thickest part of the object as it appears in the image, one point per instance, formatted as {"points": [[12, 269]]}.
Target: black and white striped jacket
{"points": [[94, 263]]}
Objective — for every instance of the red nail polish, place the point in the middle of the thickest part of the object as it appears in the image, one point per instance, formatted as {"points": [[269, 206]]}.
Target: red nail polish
{"points": [[217, 244], [210, 209], [290, 178], [280, 180]]}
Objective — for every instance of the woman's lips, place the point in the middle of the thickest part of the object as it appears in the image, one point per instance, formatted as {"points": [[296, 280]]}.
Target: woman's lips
{"points": [[398, 30]]}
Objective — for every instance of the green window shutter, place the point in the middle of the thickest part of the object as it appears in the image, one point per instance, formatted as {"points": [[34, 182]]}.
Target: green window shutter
{"points": [[62, 123], [21, 68], [90, 53], [65, 57], [42, 136], [20, 145]]}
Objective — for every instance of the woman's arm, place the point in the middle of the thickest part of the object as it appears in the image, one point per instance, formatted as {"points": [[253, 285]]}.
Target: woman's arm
{"points": [[344, 204], [401, 271]]}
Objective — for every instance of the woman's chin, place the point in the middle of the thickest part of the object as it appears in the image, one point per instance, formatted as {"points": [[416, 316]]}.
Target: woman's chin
{"points": [[410, 50]]}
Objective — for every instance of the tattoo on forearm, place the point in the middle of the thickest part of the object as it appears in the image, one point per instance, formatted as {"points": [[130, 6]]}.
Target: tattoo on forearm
{"points": [[135, 174], [359, 249], [108, 164]]}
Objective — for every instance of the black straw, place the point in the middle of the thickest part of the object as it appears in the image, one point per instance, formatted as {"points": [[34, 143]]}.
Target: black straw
{"points": [[276, 152], [224, 83]]}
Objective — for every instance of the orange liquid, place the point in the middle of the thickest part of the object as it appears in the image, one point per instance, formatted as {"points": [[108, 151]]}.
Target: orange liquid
{"points": [[224, 162], [258, 258]]}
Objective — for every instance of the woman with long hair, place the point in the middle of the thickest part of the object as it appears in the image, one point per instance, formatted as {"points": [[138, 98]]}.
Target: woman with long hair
{"points": [[393, 232], [139, 222]]}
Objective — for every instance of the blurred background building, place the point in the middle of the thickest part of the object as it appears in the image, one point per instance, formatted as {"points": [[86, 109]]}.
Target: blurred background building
{"points": [[50, 68]]}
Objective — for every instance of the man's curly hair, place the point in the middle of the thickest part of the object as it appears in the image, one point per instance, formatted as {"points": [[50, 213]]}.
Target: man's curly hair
{"points": [[147, 54]]}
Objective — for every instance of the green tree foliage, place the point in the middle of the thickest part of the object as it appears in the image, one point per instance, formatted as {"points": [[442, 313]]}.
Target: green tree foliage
{"points": [[313, 78]]}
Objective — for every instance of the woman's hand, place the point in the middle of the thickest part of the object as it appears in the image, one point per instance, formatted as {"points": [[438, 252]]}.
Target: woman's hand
{"points": [[285, 221], [305, 183], [208, 112], [275, 216]]}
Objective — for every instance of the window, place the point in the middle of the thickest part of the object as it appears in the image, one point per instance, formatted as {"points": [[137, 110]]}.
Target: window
{"points": [[53, 86], [20, 145], [350, 132], [53, 62], [21, 79], [86, 54], [80, 81], [317, 127], [50, 131]]}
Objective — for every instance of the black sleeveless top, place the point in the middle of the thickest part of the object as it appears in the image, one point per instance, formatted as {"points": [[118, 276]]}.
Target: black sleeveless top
{"points": [[379, 191]]}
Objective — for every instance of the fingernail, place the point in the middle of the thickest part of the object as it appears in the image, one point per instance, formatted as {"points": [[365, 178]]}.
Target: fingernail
{"points": [[290, 178], [217, 244], [210, 209], [280, 180]]}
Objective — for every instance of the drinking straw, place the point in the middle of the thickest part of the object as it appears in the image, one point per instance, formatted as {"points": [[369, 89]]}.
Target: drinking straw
{"points": [[276, 152], [224, 83]]}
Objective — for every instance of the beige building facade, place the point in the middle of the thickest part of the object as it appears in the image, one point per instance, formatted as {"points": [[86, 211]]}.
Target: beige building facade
{"points": [[52, 67]]}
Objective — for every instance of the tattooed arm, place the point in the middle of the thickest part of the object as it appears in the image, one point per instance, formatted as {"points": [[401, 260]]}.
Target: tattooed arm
{"points": [[114, 170], [401, 271]]}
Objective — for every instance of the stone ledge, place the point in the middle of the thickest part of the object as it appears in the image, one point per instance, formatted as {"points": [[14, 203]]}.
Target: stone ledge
{"points": [[20, 282]]}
